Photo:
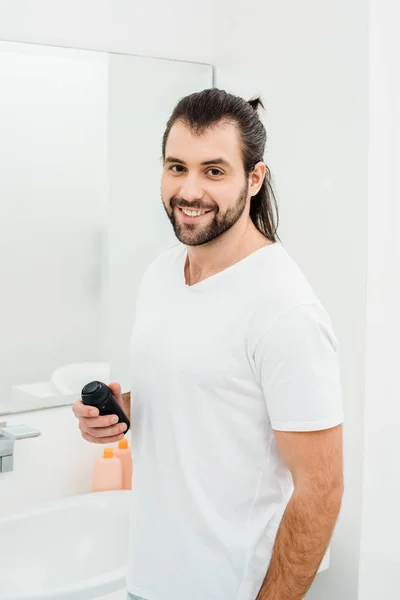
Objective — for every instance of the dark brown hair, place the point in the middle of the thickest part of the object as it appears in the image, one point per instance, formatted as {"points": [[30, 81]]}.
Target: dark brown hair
{"points": [[201, 110]]}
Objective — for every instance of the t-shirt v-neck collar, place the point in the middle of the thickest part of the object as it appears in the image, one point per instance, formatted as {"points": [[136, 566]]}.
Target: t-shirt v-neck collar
{"points": [[216, 277]]}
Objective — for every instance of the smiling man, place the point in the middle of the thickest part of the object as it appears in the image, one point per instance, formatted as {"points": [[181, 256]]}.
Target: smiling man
{"points": [[205, 198], [235, 402]]}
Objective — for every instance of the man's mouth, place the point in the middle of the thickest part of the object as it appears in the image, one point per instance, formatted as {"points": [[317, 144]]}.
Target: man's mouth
{"points": [[192, 215]]}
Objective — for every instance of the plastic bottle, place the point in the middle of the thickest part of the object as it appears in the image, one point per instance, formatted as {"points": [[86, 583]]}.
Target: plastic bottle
{"points": [[123, 452], [107, 472]]}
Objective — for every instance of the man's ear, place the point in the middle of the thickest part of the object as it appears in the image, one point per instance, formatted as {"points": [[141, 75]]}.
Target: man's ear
{"points": [[256, 176]]}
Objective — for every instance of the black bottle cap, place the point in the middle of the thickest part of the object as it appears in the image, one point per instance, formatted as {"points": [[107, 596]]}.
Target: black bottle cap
{"points": [[94, 392], [92, 387]]}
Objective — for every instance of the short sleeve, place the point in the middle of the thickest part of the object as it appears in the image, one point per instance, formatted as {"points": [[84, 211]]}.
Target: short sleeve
{"points": [[297, 365]]}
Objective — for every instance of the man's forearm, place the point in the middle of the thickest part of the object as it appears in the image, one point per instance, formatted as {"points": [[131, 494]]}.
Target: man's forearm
{"points": [[126, 397], [301, 542]]}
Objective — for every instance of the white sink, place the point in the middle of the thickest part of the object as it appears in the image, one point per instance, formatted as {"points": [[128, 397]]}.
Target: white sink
{"points": [[75, 548], [70, 379]]}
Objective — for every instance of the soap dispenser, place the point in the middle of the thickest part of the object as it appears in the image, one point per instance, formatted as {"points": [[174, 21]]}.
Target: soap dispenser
{"points": [[123, 452], [107, 473]]}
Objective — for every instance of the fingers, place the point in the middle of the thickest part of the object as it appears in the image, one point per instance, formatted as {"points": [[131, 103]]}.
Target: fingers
{"points": [[117, 393], [82, 410], [96, 428], [102, 421], [102, 440], [102, 432], [115, 389]]}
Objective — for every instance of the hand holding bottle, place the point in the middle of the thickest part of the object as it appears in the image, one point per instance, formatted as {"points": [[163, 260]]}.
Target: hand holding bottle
{"points": [[100, 429]]}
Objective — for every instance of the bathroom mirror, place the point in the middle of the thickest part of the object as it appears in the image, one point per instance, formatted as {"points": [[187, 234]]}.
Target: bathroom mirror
{"points": [[80, 156]]}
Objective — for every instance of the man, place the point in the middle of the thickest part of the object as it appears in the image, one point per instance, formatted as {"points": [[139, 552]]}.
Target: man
{"points": [[235, 402]]}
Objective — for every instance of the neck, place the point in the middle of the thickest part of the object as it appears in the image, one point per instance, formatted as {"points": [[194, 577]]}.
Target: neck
{"points": [[234, 245]]}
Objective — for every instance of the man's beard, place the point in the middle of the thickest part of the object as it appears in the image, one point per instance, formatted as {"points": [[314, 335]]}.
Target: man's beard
{"points": [[195, 234]]}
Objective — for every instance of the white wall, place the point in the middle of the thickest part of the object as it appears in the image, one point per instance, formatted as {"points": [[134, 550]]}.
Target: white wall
{"points": [[159, 29], [380, 547]]}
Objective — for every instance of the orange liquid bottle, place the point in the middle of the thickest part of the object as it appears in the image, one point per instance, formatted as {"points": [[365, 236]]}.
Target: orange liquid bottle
{"points": [[123, 452], [107, 472]]}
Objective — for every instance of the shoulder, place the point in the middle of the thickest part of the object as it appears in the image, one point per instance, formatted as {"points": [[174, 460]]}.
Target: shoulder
{"points": [[300, 333], [300, 321], [286, 304], [165, 259], [282, 282], [161, 269]]}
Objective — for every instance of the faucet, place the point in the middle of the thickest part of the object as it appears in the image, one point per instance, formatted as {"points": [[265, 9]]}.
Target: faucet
{"points": [[7, 437]]}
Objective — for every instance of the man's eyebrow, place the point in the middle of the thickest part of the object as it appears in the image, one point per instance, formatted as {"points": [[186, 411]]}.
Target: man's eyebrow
{"points": [[214, 161]]}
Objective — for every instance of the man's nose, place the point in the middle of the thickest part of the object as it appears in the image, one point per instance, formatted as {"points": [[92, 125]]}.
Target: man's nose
{"points": [[191, 189]]}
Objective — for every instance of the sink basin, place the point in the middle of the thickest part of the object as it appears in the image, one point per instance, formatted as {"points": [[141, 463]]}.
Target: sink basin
{"points": [[73, 548], [70, 379]]}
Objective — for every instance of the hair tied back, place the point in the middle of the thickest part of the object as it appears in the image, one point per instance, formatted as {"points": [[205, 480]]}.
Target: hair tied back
{"points": [[255, 103]]}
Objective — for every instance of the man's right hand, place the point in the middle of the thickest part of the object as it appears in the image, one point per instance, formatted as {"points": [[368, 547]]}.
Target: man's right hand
{"points": [[100, 429]]}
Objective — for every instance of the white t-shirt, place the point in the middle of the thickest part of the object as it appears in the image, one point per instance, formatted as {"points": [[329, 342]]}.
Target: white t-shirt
{"points": [[217, 366]]}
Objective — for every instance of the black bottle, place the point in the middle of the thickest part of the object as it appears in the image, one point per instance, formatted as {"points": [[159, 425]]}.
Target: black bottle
{"points": [[99, 395]]}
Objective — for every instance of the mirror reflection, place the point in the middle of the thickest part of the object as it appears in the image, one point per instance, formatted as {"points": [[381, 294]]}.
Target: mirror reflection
{"points": [[80, 136]]}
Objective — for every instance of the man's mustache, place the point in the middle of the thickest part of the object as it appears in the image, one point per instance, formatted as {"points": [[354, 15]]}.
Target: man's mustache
{"points": [[175, 203]]}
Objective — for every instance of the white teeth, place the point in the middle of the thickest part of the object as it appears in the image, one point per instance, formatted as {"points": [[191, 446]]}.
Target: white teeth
{"points": [[193, 213]]}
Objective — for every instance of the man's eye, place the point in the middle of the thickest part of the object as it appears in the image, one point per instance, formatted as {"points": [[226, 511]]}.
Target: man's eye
{"points": [[215, 172]]}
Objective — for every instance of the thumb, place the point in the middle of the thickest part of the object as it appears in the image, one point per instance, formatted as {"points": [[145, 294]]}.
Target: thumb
{"points": [[117, 392]]}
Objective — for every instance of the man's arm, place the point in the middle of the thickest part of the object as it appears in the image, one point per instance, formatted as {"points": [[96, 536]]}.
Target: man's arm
{"points": [[315, 461], [126, 399]]}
